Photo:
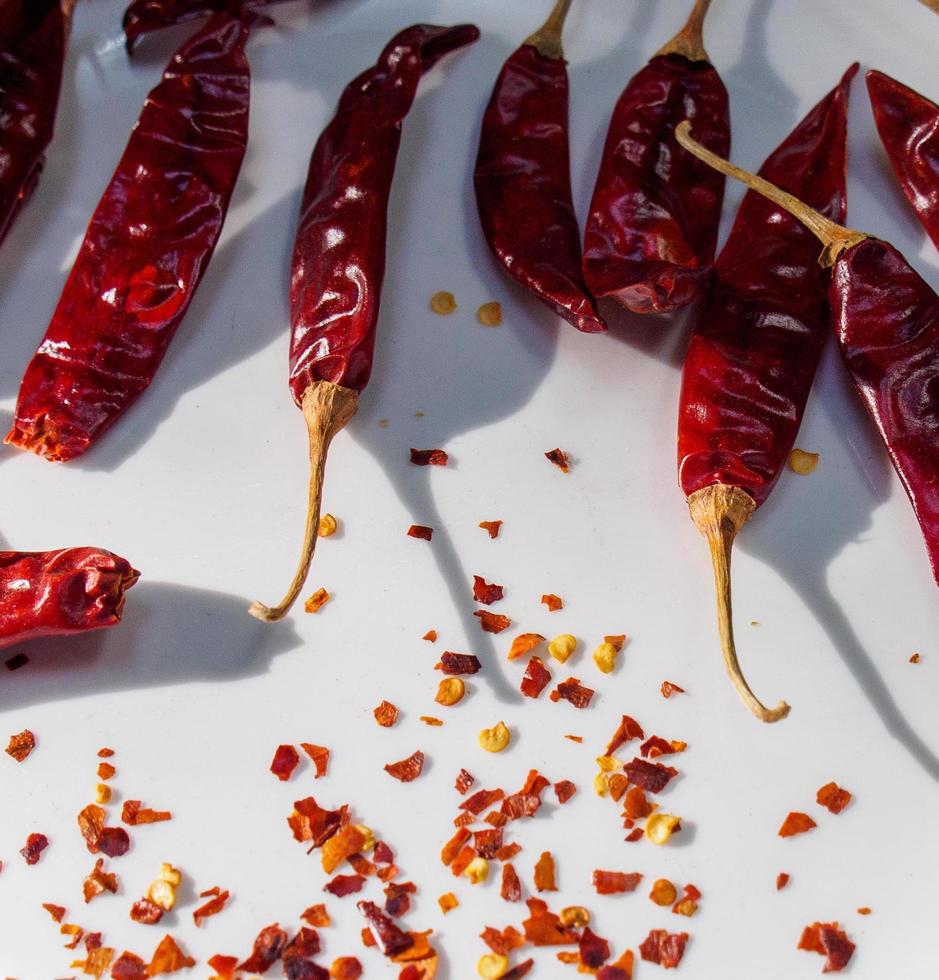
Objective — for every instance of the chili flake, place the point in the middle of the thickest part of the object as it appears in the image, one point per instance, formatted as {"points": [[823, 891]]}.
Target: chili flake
{"points": [[544, 928], [519, 970], [429, 457], [594, 950], [286, 759], [168, 958], [668, 689], [310, 822], [129, 966], [615, 882], [536, 678], [386, 714], [575, 738], [663, 947], [782, 879], [430, 720], [316, 915], [626, 731], [96, 962], [430, 636], [213, 906], [113, 841], [552, 601], [544, 873], [56, 911], [564, 790], [492, 622], [319, 756], [460, 663], [343, 885], [345, 968], [864, 910], [560, 459], [407, 769], [132, 814], [98, 881], [448, 902], [146, 912], [650, 776], [21, 745], [224, 966], [90, 824], [574, 692], [796, 823], [105, 770], [35, 845], [486, 592], [390, 939], [492, 527], [420, 531], [524, 643], [316, 601], [833, 797], [826, 939]]}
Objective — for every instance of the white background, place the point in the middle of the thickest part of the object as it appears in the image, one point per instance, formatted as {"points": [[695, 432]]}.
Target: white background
{"points": [[202, 486]]}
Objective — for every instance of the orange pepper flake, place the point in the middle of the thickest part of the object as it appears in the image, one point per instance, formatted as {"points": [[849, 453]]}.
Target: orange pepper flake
{"points": [[864, 910], [420, 531], [564, 790], [617, 640], [105, 770], [560, 459], [168, 958], [96, 962], [316, 601], [524, 643], [286, 759], [833, 797], [345, 968], [552, 601], [430, 720], [574, 738], [826, 939], [216, 902], [407, 769], [98, 881], [782, 879], [430, 636], [663, 892], [105, 753], [668, 689], [615, 882], [21, 745], [386, 714], [319, 756], [448, 902], [56, 911], [915, 659], [492, 527], [316, 916], [132, 814], [544, 873], [350, 840], [429, 457], [796, 823], [492, 623], [464, 780]]}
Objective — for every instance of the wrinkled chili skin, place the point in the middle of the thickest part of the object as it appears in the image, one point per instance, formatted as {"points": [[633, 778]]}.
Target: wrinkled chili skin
{"points": [[145, 251], [765, 318], [54, 593], [33, 36], [887, 321], [523, 185], [908, 124], [652, 227], [339, 253], [145, 16]]}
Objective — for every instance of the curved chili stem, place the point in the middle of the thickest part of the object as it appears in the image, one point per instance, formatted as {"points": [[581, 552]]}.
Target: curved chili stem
{"points": [[689, 41], [719, 511], [834, 237], [547, 39], [327, 407]]}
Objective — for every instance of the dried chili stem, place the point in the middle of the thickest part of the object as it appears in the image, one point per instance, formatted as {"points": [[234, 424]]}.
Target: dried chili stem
{"points": [[834, 237], [547, 39], [327, 407], [689, 41], [719, 511]]}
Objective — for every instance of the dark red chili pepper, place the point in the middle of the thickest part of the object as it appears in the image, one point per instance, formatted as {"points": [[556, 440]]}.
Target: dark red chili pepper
{"points": [[887, 321], [145, 16], [523, 177], [653, 221], [55, 593], [145, 251], [33, 35], [908, 124], [339, 252]]}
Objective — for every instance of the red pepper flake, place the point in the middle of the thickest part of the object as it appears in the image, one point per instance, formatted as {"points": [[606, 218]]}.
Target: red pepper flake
{"points": [[594, 950], [519, 970], [460, 663], [429, 457], [146, 912], [536, 678], [407, 769], [56, 911], [626, 731], [511, 886], [105, 770], [105, 753], [782, 879], [560, 459], [915, 659], [310, 822], [573, 691], [430, 720], [316, 915], [91, 823], [622, 969], [390, 939], [491, 622], [21, 745], [505, 941], [508, 851], [129, 966], [267, 950], [420, 531], [663, 947], [305, 943], [828, 940], [397, 897], [76, 932], [544, 873], [448, 902], [492, 527], [97, 960], [520, 805], [361, 865], [668, 689], [575, 738], [634, 835], [564, 790], [636, 806], [463, 782], [345, 968], [833, 797], [430, 636], [316, 601], [615, 882], [524, 643], [688, 904], [796, 823], [35, 845], [132, 813], [544, 928], [486, 592], [450, 850], [168, 958], [655, 746], [213, 906], [114, 841], [864, 910], [386, 714], [98, 881], [319, 756], [653, 777], [16, 661], [552, 601], [224, 966], [350, 840], [286, 759]]}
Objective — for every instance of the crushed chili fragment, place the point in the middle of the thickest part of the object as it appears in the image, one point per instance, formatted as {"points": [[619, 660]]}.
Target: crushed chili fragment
{"points": [[398, 897], [564, 790], [105, 770], [574, 738], [350, 840], [429, 457], [615, 882], [653, 777], [56, 911], [168, 958], [21, 745], [91, 823], [796, 823], [316, 601], [545, 873], [421, 531], [915, 658], [105, 753], [464, 780], [492, 527], [626, 731], [342, 885], [519, 970], [486, 592], [224, 966], [133, 814], [316, 915], [345, 968], [460, 663], [663, 947], [492, 622], [668, 689], [113, 841], [574, 692], [146, 912], [319, 756], [285, 760], [833, 797], [511, 887], [98, 881], [560, 459], [594, 950], [536, 678], [505, 941], [544, 928], [35, 845], [96, 962], [386, 714], [305, 943], [407, 769], [213, 906], [864, 910], [430, 720], [524, 643], [826, 939], [391, 940], [782, 879], [310, 822], [129, 966], [448, 902], [430, 636], [552, 601]]}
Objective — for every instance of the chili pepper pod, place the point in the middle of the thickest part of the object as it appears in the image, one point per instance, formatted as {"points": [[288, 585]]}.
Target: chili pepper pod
{"points": [[908, 124], [146, 249], [522, 177], [653, 221], [339, 253], [887, 321], [55, 593], [146, 16]]}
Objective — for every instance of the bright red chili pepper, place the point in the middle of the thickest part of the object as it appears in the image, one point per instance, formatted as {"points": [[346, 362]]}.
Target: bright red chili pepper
{"points": [[145, 251], [33, 35], [55, 593], [757, 343], [908, 124], [339, 252], [653, 221], [523, 177], [146, 16]]}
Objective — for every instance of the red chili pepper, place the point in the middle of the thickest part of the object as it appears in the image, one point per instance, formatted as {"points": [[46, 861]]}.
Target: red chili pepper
{"points": [[756, 346], [908, 124], [653, 221], [55, 593], [145, 251], [339, 252], [887, 321], [145, 16], [33, 35], [523, 177]]}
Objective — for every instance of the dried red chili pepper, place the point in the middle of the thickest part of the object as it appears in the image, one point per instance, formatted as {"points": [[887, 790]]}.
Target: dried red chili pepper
{"points": [[574, 692], [652, 226], [615, 882], [21, 745], [523, 177], [407, 769], [908, 124], [887, 321], [339, 253], [755, 349], [146, 16], [796, 823], [57, 593], [492, 622], [511, 889], [146, 249], [833, 797]]}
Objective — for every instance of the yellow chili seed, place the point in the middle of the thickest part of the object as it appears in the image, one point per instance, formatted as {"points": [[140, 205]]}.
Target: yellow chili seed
{"points": [[495, 739], [574, 917], [802, 462], [562, 646], [328, 526], [450, 691], [477, 870], [490, 314], [609, 763], [102, 793], [605, 657], [600, 786], [443, 302], [492, 966], [661, 826]]}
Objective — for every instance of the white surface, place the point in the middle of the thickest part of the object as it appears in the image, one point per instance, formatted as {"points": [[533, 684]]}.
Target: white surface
{"points": [[201, 485]]}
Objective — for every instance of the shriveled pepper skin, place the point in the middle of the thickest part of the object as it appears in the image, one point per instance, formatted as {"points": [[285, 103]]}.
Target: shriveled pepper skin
{"points": [[145, 16], [145, 251], [54, 593], [765, 318], [653, 221], [523, 185], [908, 124], [33, 36], [339, 252], [887, 321]]}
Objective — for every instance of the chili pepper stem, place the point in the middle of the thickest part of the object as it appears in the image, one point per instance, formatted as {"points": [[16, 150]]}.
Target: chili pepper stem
{"points": [[547, 39], [689, 41], [327, 407], [835, 238], [719, 511]]}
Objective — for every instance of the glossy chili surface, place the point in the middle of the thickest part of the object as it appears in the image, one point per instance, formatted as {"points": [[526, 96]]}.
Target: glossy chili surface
{"points": [[33, 36], [52, 593], [765, 319], [887, 321], [339, 253], [145, 251], [653, 221], [523, 185], [908, 124], [145, 16]]}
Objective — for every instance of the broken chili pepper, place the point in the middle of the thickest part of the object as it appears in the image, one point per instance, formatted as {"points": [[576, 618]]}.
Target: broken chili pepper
{"points": [[653, 221], [146, 249], [146, 16], [755, 349], [339, 253], [523, 177]]}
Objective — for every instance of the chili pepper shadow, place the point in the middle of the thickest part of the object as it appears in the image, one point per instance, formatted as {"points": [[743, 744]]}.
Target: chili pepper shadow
{"points": [[170, 635]]}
